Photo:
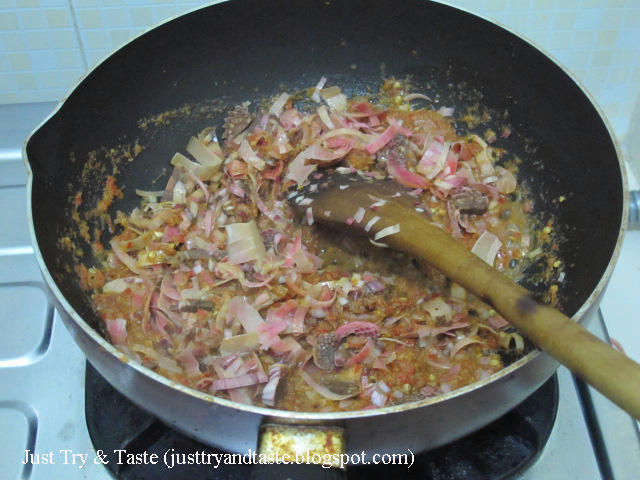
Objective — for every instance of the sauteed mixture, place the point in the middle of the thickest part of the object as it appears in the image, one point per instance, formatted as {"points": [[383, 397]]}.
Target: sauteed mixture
{"points": [[215, 283]]}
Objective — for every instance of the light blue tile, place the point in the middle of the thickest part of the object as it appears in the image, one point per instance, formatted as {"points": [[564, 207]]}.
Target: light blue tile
{"points": [[562, 55], [13, 41], [518, 5], [625, 57], [583, 39], [95, 56], [121, 36], [161, 13], [9, 20], [86, 3], [628, 37], [38, 40], [588, 19], [54, 3], [632, 18], [7, 82], [95, 39], [116, 17], [69, 59], [43, 60], [519, 22], [613, 94], [541, 21], [31, 18]]}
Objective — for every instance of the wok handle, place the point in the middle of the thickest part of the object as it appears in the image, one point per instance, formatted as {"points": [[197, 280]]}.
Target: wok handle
{"points": [[612, 373], [301, 452]]}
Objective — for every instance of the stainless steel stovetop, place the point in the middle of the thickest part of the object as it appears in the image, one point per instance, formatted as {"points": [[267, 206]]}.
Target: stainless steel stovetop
{"points": [[42, 370]]}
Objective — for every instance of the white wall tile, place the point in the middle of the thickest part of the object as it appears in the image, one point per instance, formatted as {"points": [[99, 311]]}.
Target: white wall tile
{"points": [[583, 39], [611, 19], [632, 18], [141, 16], [27, 3], [116, 17], [31, 19], [8, 20], [63, 39], [564, 20], [44, 60], [7, 82], [58, 18], [39, 42], [607, 38], [12, 41], [587, 19], [559, 39], [46, 45], [89, 19], [598, 41], [26, 81]]}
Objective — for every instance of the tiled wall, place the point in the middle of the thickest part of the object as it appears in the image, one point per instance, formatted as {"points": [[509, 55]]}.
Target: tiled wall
{"points": [[46, 45]]}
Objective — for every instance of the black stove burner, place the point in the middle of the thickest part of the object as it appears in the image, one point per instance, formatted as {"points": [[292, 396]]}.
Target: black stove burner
{"points": [[499, 451]]}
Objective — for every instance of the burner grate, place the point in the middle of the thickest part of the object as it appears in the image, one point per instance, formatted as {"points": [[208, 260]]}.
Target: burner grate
{"points": [[497, 452]]}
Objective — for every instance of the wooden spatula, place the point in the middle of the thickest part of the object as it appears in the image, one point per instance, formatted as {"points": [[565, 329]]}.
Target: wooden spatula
{"points": [[334, 199]]}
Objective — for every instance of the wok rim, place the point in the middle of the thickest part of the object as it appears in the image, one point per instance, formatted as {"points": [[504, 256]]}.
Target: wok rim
{"points": [[322, 417]]}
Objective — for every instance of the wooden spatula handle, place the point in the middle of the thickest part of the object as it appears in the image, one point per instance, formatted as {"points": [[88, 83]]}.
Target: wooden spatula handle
{"points": [[335, 199], [609, 371]]}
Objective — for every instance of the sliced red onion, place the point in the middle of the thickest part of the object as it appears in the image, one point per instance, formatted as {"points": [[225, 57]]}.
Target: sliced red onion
{"points": [[357, 328], [117, 329], [374, 286], [446, 111], [118, 285], [239, 309], [203, 153], [378, 398], [437, 308], [486, 247], [382, 140], [316, 91], [321, 389], [497, 322], [126, 259], [416, 96], [236, 382], [190, 364], [371, 223], [361, 355], [429, 391], [462, 344], [298, 171], [385, 232], [269, 391], [278, 105], [248, 155], [323, 113], [447, 328], [488, 189], [290, 119], [405, 177]]}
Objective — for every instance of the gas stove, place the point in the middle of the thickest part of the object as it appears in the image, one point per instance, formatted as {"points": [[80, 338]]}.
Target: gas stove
{"points": [[46, 387]]}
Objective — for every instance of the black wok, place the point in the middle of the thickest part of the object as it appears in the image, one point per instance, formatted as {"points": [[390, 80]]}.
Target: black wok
{"points": [[243, 50]]}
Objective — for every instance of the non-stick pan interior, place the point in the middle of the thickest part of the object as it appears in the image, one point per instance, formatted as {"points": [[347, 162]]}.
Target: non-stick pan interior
{"points": [[245, 50]]}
